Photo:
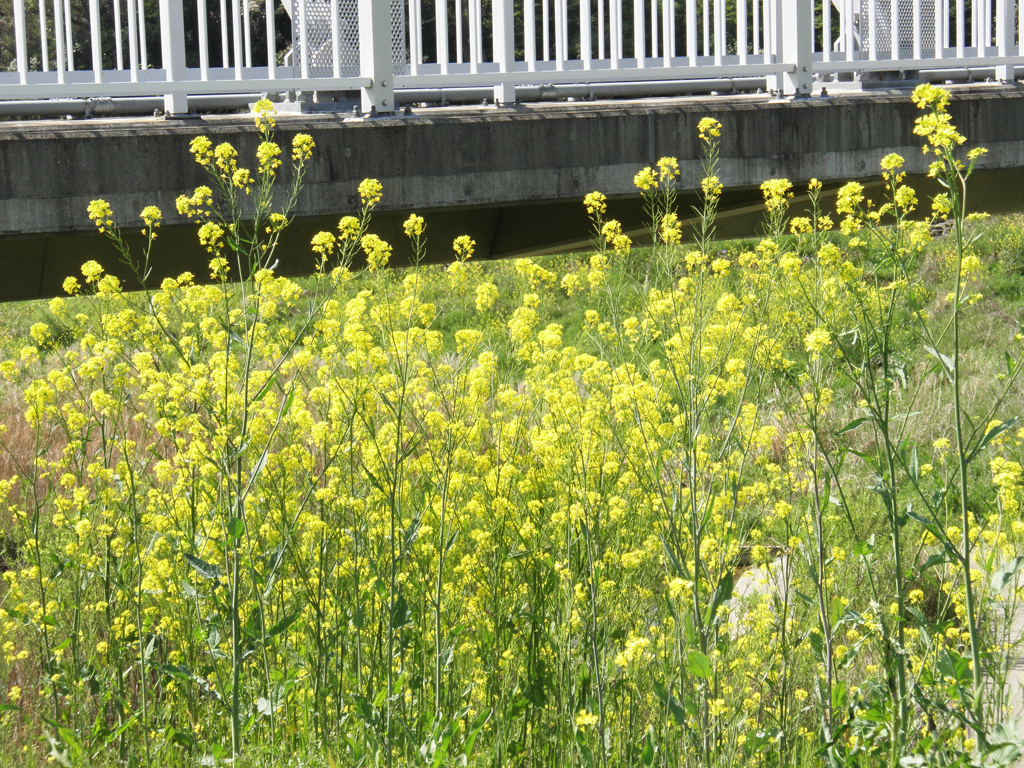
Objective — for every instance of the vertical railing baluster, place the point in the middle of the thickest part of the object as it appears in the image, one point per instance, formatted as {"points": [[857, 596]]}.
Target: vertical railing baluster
{"points": [[988, 24], [639, 33], [706, 28], [21, 41], [937, 23], [691, 31], [672, 30], [960, 32], [668, 11], [143, 50], [600, 29], [94, 34], [545, 29], [474, 37], [458, 32], [894, 29], [303, 37], [58, 37], [872, 31], [415, 36], [530, 34], [559, 35], [133, 43], [441, 33], [224, 50], [946, 33], [236, 28], [271, 41], [741, 30], [719, 30], [613, 30], [586, 50], [336, 38], [204, 43]]}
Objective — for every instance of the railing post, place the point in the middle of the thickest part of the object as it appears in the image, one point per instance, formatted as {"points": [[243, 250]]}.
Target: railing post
{"points": [[504, 49], [375, 59], [172, 53], [21, 47], [1004, 39], [796, 28]]}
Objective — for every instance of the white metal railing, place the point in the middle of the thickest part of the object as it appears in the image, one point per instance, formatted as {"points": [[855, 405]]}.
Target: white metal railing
{"points": [[376, 46]]}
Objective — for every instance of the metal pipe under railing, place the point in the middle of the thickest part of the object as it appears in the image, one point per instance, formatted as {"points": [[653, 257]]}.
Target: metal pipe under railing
{"points": [[582, 91], [107, 107]]}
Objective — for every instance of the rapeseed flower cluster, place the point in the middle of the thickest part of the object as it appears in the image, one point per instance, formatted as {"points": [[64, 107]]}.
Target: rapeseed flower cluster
{"points": [[278, 514]]}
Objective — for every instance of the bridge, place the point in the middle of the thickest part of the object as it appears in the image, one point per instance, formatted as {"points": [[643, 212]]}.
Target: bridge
{"points": [[495, 135]]}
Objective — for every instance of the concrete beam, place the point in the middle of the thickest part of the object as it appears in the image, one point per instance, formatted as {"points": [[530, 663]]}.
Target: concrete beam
{"points": [[512, 178]]}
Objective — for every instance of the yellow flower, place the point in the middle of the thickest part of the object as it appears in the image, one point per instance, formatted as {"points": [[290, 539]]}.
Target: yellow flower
{"points": [[671, 228], [349, 228], [201, 148], [377, 251], [776, 193], [851, 195], [463, 247], [646, 179], [302, 147], [815, 341], [413, 226], [709, 128], [668, 168], [211, 235], [370, 192], [268, 154], [264, 111], [218, 268], [71, 286], [101, 214], [226, 157], [711, 186], [486, 295], [323, 243], [151, 216], [92, 271], [595, 203]]}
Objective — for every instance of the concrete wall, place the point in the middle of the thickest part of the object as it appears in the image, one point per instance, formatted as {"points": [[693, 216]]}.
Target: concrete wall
{"points": [[512, 178]]}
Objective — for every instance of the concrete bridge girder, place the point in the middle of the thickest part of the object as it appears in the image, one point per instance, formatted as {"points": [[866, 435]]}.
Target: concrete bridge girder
{"points": [[512, 178]]}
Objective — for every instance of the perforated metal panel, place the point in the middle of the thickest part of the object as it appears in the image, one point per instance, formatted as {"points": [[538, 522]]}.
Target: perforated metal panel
{"points": [[318, 32], [905, 31]]}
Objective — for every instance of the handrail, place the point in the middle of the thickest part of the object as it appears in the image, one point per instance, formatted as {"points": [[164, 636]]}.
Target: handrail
{"points": [[375, 46]]}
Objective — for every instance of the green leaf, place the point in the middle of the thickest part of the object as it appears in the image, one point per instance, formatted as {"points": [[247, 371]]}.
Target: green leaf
{"points": [[235, 528], [647, 756], [203, 568], [48, 621], [671, 703], [866, 547], [944, 360], [283, 624], [852, 426], [400, 613], [1005, 576], [697, 664]]}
